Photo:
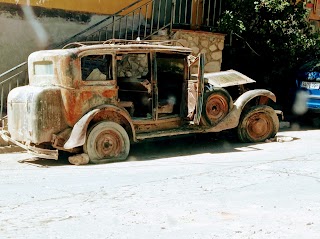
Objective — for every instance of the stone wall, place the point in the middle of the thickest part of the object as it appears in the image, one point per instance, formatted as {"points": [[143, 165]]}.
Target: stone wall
{"points": [[133, 65], [209, 43]]}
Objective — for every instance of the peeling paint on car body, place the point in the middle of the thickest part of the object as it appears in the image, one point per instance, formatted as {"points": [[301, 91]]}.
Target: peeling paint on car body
{"points": [[145, 87]]}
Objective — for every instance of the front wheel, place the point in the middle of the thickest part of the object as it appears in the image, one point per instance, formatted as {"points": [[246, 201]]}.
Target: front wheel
{"points": [[107, 142], [258, 124]]}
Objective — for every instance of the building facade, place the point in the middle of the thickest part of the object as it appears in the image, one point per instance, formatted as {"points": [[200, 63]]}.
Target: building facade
{"points": [[30, 25]]}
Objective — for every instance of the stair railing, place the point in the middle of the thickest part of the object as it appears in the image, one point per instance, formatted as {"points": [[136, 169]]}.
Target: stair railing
{"points": [[203, 15], [144, 21], [147, 18], [18, 75], [84, 34]]}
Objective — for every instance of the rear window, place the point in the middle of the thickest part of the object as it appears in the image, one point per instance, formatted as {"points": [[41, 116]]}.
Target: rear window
{"points": [[43, 68], [96, 67]]}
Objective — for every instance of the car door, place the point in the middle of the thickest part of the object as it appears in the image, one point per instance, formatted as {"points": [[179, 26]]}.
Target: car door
{"points": [[195, 91]]}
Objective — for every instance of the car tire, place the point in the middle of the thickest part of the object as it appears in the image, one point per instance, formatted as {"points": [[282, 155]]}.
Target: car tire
{"points": [[258, 124], [107, 142]]}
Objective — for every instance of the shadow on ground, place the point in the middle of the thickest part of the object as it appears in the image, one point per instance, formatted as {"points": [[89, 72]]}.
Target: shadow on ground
{"points": [[167, 147], [309, 120], [223, 142]]}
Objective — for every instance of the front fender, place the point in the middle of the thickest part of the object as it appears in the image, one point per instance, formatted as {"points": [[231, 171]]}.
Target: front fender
{"points": [[249, 95], [79, 131], [232, 119]]}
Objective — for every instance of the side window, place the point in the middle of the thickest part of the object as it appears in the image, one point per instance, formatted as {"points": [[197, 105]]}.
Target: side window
{"points": [[132, 65], [171, 64], [133, 79], [96, 67]]}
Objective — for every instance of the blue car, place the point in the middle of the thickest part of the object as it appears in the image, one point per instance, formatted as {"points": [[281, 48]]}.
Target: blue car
{"points": [[308, 80]]}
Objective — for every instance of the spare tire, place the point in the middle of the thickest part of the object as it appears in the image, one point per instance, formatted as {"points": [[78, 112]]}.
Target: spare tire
{"points": [[216, 105]]}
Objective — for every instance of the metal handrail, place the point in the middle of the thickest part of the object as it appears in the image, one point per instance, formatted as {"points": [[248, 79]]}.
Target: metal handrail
{"points": [[141, 27], [95, 25], [11, 81], [13, 69]]}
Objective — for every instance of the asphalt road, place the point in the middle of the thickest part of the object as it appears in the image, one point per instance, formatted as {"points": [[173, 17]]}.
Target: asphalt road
{"points": [[194, 187]]}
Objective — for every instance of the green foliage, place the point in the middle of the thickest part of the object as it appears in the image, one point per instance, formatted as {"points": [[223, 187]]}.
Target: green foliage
{"points": [[271, 39]]}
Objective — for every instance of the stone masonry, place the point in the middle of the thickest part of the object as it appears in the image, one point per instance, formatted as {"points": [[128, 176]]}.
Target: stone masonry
{"points": [[209, 43], [133, 65]]}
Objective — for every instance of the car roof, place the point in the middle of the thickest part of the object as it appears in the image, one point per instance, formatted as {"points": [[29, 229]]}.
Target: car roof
{"points": [[120, 46]]}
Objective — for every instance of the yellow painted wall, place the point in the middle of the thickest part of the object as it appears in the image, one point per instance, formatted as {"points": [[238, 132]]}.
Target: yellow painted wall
{"points": [[90, 6]]}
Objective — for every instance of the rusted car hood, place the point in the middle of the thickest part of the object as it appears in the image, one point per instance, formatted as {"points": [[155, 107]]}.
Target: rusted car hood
{"points": [[226, 78]]}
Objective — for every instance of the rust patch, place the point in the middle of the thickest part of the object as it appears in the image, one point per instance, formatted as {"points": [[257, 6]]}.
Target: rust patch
{"points": [[72, 112], [118, 116], [216, 107], [154, 99], [263, 100], [109, 93], [109, 143], [108, 115], [78, 103], [86, 95], [258, 125]]}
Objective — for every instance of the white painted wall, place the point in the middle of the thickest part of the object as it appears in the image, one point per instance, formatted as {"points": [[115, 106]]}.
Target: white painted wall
{"points": [[18, 38]]}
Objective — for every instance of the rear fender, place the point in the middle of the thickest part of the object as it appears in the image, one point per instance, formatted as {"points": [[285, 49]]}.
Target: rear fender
{"points": [[113, 113], [232, 119]]}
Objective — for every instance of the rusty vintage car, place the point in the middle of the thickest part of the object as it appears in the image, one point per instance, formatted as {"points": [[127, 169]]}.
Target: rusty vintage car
{"points": [[98, 98]]}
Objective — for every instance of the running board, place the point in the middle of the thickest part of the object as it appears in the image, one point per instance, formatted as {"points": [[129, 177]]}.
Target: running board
{"points": [[163, 133]]}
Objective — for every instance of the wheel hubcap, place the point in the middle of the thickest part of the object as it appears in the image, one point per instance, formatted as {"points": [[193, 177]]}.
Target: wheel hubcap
{"points": [[216, 107], [108, 144], [259, 126]]}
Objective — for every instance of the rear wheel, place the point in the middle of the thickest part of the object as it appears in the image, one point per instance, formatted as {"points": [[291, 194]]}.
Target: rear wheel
{"points": [[107, 142], [258, 124]]}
